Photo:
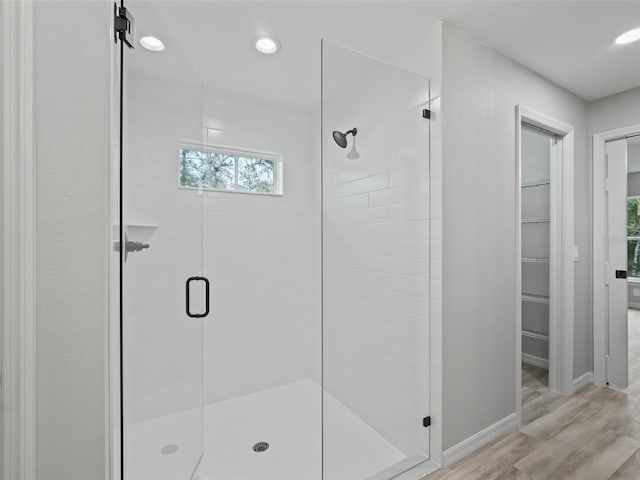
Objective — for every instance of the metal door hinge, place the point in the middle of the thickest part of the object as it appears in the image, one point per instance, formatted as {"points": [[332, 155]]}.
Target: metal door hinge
{"points": [[124, 26], [426, 422], [426, 113]]}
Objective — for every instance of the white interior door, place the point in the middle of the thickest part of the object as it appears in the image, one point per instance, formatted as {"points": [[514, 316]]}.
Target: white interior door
{"points": [[616, 263]]}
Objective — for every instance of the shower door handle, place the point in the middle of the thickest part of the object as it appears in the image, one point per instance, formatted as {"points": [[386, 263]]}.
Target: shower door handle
{"points": [[206, 297]]}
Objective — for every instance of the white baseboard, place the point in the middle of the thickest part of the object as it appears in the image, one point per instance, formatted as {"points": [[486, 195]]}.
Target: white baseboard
{"points": [[582, 381], [415, 467], [535, 361], [480, 439], [419, 472]]}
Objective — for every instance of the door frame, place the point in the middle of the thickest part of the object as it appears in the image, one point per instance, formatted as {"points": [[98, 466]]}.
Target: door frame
{"points": [[562, 248], [17, 242], [599, 186]]}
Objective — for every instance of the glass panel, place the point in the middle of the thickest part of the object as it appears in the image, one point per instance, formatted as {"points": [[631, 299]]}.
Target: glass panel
{"points": [[633, 253], [200, 169], [162, 346], [375, 267], [255, 175], [262, 254], [633, 232]]}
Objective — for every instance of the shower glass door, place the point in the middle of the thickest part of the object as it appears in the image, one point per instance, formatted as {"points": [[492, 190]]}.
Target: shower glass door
{"points": [[375, 214], [162, 367]]}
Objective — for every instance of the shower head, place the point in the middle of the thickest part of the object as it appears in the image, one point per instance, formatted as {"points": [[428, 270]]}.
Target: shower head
{"points": [[341, 138]]}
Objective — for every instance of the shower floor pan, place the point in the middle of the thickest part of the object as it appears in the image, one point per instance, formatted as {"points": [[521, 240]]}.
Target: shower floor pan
{"points": [[287, 418]]}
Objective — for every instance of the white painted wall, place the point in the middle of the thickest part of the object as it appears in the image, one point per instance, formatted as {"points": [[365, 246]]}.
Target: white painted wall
{"points": [[258, 251], [633, 183], [72, 145], [615, 111], [480, 91], [376, 247], [633, 155]]}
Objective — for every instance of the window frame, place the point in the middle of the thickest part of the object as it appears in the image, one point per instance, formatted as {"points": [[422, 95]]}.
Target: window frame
{"points": [[276, 158]]}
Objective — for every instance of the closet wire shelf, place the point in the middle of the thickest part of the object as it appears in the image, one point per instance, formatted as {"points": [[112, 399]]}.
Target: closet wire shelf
{"points": [[535, 260], [536, 335], [535, 220], [527, 297], [536, 183]]}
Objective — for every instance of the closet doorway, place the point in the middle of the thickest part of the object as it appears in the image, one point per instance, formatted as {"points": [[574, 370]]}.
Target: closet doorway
{"points": [[545, 255], [535, 208]]}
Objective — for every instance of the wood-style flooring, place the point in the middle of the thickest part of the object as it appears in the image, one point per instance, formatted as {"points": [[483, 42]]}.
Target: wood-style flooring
{"points": [[594, 435]]}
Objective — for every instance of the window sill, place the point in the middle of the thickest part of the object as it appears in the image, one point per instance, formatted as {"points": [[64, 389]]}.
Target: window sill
{"points": [[239, 192]]}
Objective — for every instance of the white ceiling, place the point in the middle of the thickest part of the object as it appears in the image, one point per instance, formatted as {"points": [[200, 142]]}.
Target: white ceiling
{"points": [[216, 38], [569, 42]]}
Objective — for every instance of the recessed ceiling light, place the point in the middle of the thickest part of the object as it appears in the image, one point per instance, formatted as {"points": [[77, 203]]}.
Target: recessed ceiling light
{"points": [[267, 45], [152, 43], [629, 37]]}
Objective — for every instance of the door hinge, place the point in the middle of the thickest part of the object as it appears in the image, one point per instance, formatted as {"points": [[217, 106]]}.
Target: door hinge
{"points": [[124, 26], [426, 113], [426, 422]]}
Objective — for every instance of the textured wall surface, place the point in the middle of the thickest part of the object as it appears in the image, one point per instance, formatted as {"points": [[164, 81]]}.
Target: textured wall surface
{"points": [[72, 141], [480, 91]]}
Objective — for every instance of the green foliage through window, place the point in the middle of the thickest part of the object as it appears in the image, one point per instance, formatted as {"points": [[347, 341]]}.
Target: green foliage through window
{"points": [[633, 237], [223, 171]]}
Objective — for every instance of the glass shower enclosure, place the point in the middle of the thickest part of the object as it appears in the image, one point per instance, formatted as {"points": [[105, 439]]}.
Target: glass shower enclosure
{"points": [[274, 269], [375, 266]]}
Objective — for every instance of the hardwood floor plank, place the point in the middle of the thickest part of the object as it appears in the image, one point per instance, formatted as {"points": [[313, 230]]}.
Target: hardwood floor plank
{"points": [[561, 417], [565, 452], [546, 403], [513, 474], [492, 463], [630, 470], [606, 462]]}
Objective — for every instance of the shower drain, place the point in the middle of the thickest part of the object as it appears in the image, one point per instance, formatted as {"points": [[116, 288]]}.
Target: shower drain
{"points": [[261, 447]]}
